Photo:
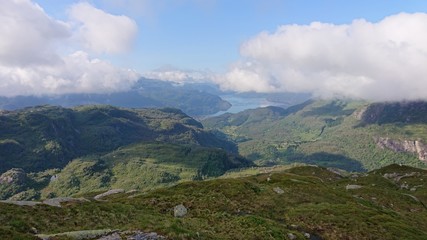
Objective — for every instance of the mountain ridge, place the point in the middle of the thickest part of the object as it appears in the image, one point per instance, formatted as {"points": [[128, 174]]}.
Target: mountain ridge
{"points": [[65, 151], [338, 129]]}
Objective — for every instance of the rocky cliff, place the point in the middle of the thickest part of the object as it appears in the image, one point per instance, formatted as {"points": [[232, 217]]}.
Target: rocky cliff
{"points": [[409, 146]]}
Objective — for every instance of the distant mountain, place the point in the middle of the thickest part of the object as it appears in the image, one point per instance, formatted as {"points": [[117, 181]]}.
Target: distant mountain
{"points": [[194, 100], [346, 134], [92, 147]]}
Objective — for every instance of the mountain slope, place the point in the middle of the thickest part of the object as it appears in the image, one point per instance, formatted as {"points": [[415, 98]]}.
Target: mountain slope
{"points": [[46, 137], [51, 151], [300, 203], [345, 134], [141, 166]]}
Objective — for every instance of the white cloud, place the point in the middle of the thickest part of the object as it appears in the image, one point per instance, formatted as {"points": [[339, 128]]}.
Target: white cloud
{"points": [[102, 32], [28, 35], [30, 59], [376, 61], [76, 73]]}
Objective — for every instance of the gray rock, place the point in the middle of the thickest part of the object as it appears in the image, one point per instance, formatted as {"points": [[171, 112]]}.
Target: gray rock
{"points": [[34, 230], [278, 190], [56, 202], [307, 235], [179, 211], [113, 236], [410, 146], [292, 236], [110, 192], [145, 236], [352, 187], [338, 172], [138, 235], [14, 176], [54, 178]]}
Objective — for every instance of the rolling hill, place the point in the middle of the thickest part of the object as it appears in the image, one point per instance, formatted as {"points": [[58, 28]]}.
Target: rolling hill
{"points": [[50, 151]]}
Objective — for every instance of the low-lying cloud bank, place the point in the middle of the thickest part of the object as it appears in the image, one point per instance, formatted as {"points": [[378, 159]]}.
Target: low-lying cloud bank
{"points": [[379, 61], [42, 55], [180, 76]]}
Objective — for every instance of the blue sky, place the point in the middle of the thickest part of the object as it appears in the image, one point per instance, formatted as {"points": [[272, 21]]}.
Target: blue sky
{"points": [[374, 50], [207, 34]]}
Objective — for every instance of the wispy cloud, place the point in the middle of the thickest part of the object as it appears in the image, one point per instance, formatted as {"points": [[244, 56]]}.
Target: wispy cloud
{"points": [[386, 60], [32, 61], [180, 76]]}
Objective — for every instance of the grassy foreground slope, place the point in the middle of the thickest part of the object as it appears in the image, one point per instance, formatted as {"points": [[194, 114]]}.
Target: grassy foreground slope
{"points": [[388, 203], [335, 133]]}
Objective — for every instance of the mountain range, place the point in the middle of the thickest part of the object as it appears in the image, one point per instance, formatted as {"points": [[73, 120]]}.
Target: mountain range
{"points": [[352, 135]]}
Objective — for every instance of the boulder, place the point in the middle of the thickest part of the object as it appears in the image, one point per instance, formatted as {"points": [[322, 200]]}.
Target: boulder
{"points": [[291, 236], [180, 211], [278, 190]]}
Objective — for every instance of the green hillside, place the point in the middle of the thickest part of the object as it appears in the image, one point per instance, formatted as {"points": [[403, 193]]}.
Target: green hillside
{"points": [[52, 151], [299, 203], [46, 137], [141, 166], [346, 134]]}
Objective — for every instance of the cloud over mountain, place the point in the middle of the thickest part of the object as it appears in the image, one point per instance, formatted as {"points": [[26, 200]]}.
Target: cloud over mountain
{"points": [[103, 32], [386, 60], [169, 73], [40, 55]]}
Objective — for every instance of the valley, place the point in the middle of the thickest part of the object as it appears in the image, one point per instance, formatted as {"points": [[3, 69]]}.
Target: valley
{"points": [[336, 133], [213, 119], [316, 170]]}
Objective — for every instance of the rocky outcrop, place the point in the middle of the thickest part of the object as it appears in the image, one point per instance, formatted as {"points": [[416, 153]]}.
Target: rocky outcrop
{"points": [[352, 187], [12, 182], [108, 193], [408, 146], [104, 234], [56, 202], [358, 114], [396, 177], [14, 176]]}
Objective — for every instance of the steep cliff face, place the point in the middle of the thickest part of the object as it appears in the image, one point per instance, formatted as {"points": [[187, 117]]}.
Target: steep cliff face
{"points": [[394, 112], [409, 146]]}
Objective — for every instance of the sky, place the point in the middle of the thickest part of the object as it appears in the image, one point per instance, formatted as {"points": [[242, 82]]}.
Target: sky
{"points": [[375, 50]]}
